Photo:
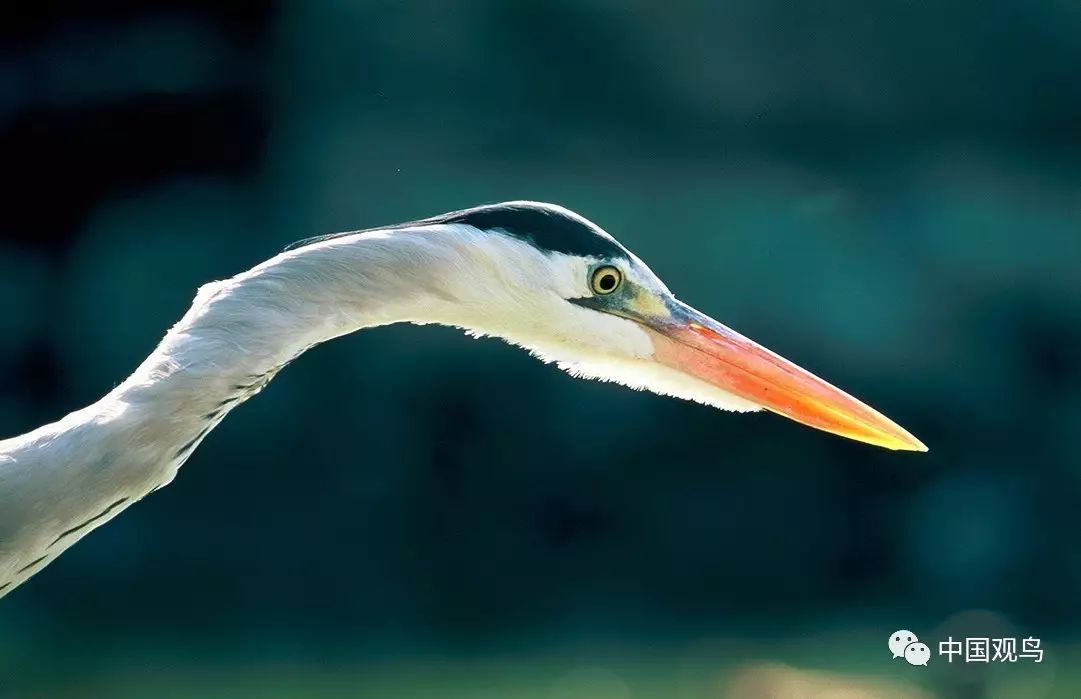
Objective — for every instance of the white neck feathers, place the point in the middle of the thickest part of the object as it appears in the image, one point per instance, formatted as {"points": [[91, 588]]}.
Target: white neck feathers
{"points": [[65, 479]]}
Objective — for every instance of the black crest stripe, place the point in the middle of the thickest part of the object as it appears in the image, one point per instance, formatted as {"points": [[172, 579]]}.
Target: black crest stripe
{"points": [[546, 228]]}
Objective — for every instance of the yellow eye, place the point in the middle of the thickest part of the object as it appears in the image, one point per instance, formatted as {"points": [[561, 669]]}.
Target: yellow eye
{"points": [[605, 280]]}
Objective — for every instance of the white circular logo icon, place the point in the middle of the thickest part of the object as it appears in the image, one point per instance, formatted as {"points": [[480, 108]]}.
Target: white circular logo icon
{"points": [[899, 640], [917, 653]]}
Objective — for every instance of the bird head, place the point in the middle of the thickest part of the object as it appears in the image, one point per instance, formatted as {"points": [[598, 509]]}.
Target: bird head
{"points": [[589, 304], [546, 279]]}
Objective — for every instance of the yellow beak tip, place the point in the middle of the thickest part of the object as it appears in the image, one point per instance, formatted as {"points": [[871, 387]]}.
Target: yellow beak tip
{"points": [[907, 443]]}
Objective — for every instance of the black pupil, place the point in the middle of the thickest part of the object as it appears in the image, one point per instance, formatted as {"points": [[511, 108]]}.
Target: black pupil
{"points": [[607, 282]]}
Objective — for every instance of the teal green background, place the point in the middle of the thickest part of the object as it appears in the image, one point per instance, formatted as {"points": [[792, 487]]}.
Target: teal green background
{"points": [[887, 193]]}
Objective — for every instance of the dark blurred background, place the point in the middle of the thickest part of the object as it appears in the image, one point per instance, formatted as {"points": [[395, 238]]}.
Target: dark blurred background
{"points": [[888, 193]]}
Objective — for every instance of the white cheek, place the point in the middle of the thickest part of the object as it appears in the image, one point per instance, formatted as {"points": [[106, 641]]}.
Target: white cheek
{"points": [[608, 348], [583, 336], [504, 288], [648, 375]]}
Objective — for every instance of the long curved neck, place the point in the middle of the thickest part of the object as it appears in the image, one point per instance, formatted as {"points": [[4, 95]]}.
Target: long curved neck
{"points": [[62, 480], [255, 322]]}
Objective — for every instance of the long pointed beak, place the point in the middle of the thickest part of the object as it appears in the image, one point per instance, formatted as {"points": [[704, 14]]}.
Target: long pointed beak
{"points": [[695, 344]]}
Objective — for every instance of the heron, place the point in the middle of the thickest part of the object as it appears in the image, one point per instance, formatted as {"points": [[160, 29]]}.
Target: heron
{"points": [[536, 275]]}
